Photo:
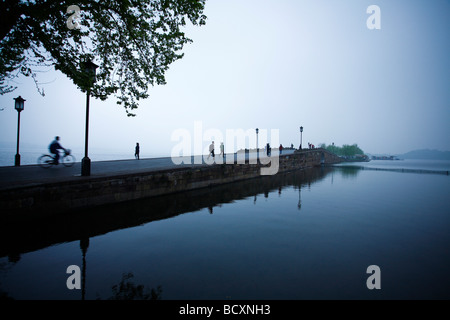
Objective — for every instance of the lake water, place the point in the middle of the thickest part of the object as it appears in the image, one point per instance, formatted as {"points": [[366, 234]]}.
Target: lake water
{"points": [[306, 235]]}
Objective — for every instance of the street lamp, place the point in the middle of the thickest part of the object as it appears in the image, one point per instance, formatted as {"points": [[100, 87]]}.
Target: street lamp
{"points": [[257, 131], [89, 69], [18, 105], [301, 133]]}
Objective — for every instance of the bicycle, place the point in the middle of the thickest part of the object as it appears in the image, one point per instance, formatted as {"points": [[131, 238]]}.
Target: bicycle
{"points": [[46, 160]]}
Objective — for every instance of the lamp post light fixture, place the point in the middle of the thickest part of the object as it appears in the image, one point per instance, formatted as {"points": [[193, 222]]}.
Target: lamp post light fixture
{"points": [[89, 69], [19, 106], [301, 133], [257, 131]]}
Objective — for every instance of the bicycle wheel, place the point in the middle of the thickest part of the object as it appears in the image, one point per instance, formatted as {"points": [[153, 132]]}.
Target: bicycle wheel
{"points": [[68, 160], [45, 161]]}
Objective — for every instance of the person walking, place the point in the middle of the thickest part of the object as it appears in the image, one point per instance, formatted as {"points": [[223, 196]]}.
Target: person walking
{"points": [[268, 150], [211, 150], [136, 151], [222, 150]]}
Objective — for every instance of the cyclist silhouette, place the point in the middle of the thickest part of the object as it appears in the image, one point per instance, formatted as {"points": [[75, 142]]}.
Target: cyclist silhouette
{"points": [[54, 147]]}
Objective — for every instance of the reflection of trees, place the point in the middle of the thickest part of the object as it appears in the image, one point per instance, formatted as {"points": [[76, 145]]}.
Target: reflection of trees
{"points": [[4, 296], [349, 172], [127, 290], [4, 268], [14, 257]]}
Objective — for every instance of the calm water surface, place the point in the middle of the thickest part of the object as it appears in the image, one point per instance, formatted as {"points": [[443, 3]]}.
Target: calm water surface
{"points": [[305, 235]]}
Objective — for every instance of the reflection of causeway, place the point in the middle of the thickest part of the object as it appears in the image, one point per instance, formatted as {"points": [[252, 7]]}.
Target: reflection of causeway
{"points": [[20, 237]]}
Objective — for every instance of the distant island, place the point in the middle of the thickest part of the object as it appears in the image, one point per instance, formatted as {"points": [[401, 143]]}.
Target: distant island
{"points": [[422, 154], [426, 154]]}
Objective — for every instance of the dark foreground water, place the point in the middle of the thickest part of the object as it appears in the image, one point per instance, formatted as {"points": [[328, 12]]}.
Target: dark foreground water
{"points": [[305, 235]]}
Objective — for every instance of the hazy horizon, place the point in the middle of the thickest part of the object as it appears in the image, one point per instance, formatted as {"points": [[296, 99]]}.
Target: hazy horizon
{"points": [[10, 147], [272, 65]]}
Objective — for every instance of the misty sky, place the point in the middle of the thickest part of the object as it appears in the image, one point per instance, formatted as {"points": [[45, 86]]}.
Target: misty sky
{"points": [[272, 64]]}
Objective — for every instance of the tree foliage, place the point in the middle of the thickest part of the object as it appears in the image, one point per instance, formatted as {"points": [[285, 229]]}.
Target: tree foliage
{"points": [[132, 41], [344, 151]]}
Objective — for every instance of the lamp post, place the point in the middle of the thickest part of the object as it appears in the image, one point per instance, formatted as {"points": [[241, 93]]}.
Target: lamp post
{"points": [[257, 146], [18, 105], [301, 133], [89, 69]]}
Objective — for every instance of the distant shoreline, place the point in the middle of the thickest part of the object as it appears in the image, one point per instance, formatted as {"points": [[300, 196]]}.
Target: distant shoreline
{"points": [[420, 154]]}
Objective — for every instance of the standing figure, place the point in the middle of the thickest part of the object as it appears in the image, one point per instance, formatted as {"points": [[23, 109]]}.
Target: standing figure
{"points": [[222, 150], [211, 150], [136, 151]]}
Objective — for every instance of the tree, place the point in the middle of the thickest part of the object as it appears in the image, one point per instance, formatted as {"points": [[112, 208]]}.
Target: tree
{"points": [[351, 150], [132, 41], [346, 150]]}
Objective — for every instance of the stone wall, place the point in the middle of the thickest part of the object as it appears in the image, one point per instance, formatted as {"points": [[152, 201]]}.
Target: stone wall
{"points": [[48, 199]]}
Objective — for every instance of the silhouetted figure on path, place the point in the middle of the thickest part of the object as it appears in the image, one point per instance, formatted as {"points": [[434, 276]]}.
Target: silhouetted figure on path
{"points": [[211, 150], [136, 151], [222, 150]]}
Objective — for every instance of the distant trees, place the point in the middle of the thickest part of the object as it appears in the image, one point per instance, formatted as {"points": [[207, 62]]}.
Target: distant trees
{"points": [[344, 151]]}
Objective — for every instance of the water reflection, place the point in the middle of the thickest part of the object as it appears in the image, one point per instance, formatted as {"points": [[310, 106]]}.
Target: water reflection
{"points": [[20, 237], [125, 290], [128, 290], [348, 172], [84, 244], [299, 205], [254, 246], [4, 268]]}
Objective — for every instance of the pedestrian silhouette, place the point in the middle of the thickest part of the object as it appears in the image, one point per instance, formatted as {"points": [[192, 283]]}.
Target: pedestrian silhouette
{"points": [[222, 149], [211, 150], [268, 149], [136, 151]]}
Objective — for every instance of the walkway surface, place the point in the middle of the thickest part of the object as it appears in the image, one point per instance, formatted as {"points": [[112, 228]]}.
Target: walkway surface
{"points": [[12, 176]]}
